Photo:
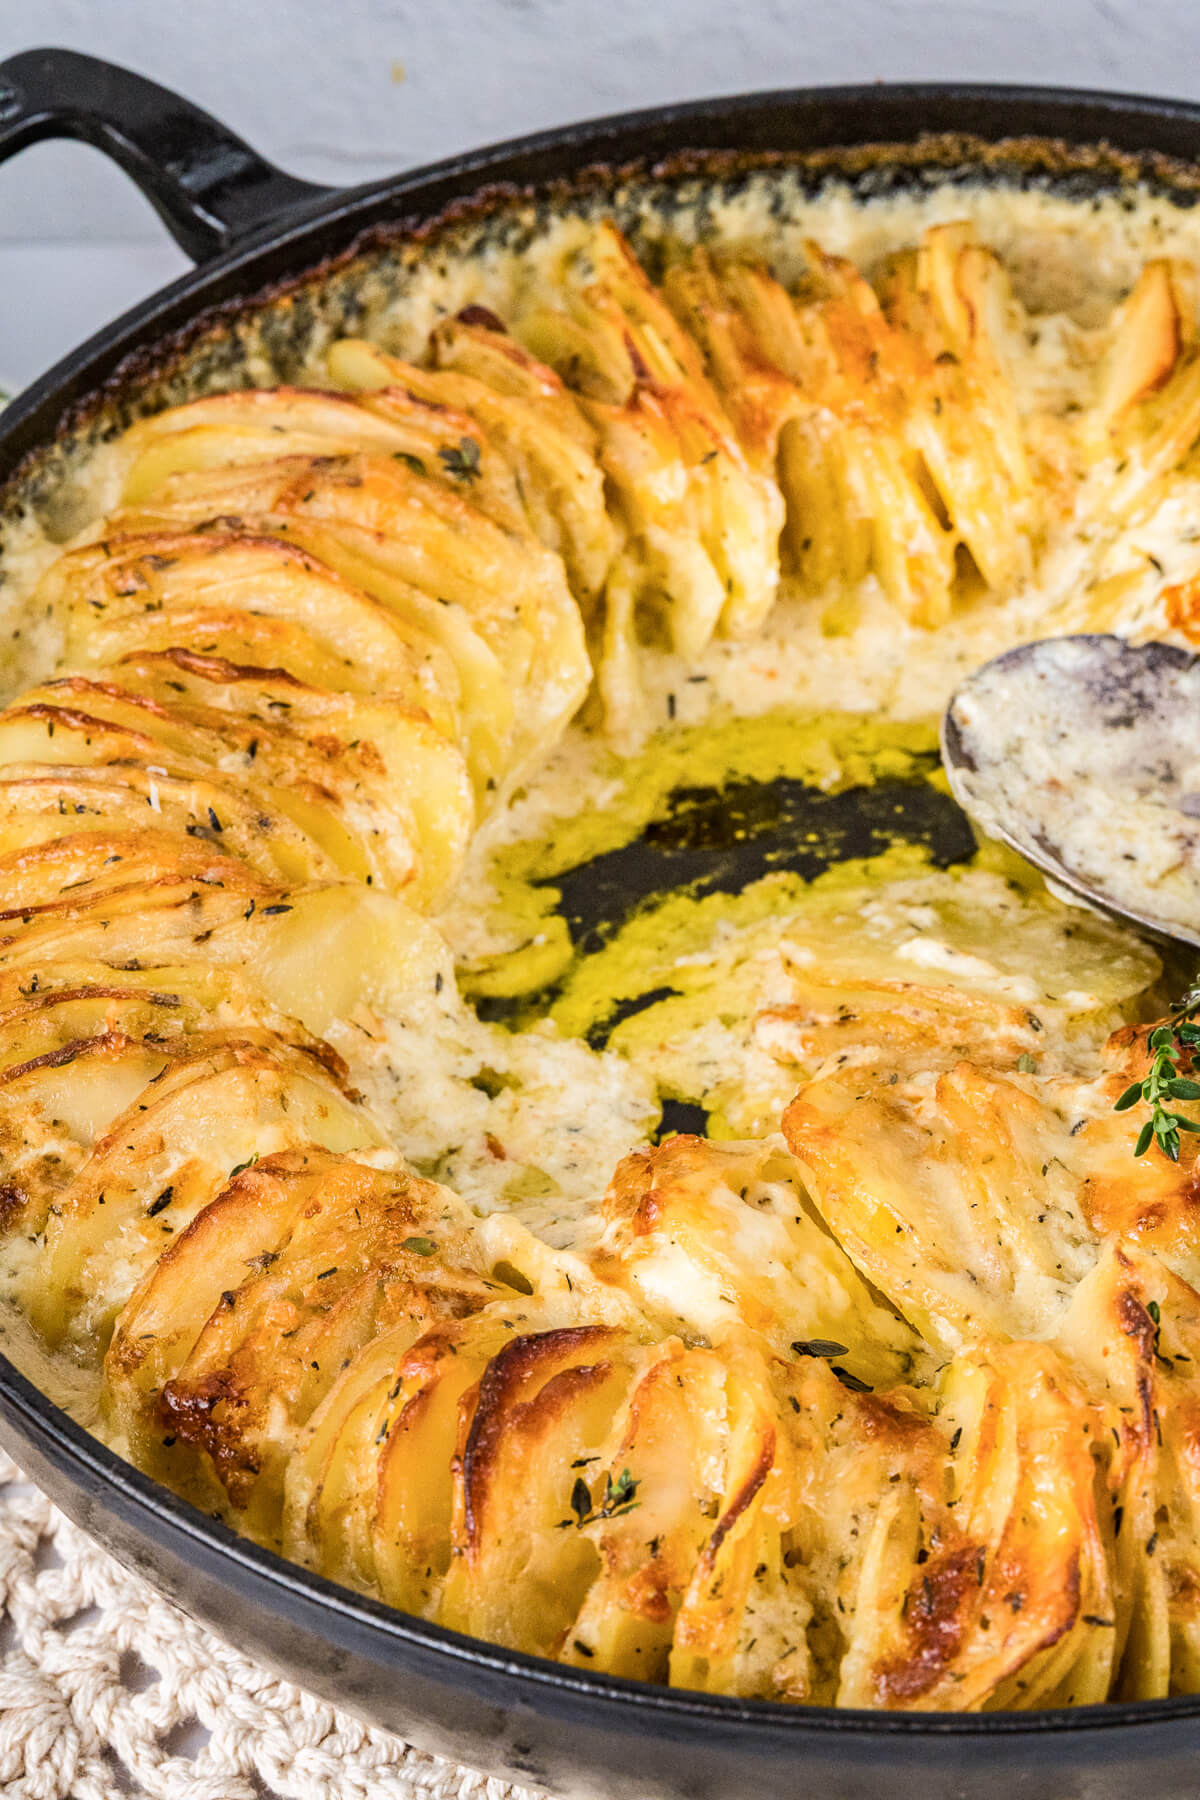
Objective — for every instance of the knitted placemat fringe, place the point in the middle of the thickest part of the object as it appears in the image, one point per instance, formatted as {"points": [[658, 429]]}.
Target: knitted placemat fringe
{"points": [[107, 1692]]}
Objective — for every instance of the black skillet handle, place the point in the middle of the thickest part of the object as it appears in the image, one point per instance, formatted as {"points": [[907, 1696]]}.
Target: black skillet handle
{"points": [[209, 187]]}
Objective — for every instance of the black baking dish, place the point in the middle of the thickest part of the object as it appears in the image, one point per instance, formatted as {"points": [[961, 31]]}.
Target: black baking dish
{"points": [[272, 248]]}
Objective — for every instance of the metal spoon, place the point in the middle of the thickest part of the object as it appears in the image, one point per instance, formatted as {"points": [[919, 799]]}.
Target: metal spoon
{"points": [[1083, 754]]}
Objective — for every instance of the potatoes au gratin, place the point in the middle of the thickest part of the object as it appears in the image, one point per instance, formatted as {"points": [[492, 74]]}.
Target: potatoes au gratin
{"points": [[324, 1195]]}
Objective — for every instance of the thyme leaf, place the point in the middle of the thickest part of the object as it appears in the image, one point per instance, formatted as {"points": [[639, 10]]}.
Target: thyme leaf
{"points": [[461, 460], [1173, 1047], [618, 1497]]}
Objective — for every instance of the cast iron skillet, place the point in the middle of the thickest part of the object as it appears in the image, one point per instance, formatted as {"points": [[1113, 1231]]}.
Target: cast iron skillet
{"points": [[252, 227]]}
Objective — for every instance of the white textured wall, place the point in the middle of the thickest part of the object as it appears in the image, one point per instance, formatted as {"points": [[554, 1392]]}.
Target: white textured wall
{"points": [[342, 90]]}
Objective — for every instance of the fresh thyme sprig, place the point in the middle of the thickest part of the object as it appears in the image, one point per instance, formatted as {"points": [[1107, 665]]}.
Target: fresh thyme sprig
{"points": [[619, 1497], [1173, 1047]]}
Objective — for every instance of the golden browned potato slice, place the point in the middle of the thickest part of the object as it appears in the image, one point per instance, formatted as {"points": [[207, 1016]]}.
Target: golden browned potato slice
{"points": [[381, 792], [1148, 1203], [709, 1236], [163, 1159], [246, 1321], [527, 1447], [1011, 1602], [652, 1499], [745, 323], [266, 599], [978, 439], [1113, 1344], [75, 1049], [825, 432], [904, 1023], [844, 1450], [742, 1615], [78, 721], [512, 591], [547, 437], [420, 776], [864, 372], [79, 871], [448, 440], [252, 425], [1052, 1142], [37, 802], [431, 537], [368, 1492], [706, 522], [1145, 338], [466, 667], [330, 1479], [486, 710], [317, 953], [1160, 1313], [894, 433], [175, 994], [43, 1018], [1134, 1335], [80, 1052], [1155, 436], [1144, 412], [518, 408], [954, 1194], [78, 1049], [823, 385], [954, 965]]}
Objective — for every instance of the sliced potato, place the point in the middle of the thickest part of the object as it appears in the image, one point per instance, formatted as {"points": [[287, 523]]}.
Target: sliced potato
{"points": [[280, 606], [1145, 342], [1012, 1602], [521, 1563], [710, 1236], [432, 538], [380, 791], [240, 1328], [652, 1494], [249, 425], [706, 523], [194, 1124], [520, 410], [36, 801]]}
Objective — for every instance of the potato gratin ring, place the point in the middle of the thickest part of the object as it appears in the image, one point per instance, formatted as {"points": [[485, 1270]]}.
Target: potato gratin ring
{"points": [[896, 1409]]}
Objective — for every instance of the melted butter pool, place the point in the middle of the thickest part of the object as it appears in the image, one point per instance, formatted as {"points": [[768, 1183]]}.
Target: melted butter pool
{"points": [[646, 919]]}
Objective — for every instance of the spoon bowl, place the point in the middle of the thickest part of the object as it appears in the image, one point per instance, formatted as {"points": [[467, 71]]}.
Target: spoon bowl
{"points": [[1083, 755]]}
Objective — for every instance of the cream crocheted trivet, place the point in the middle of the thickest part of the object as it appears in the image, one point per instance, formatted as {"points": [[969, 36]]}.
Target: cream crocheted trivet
{"points": [[107, 1691]]}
